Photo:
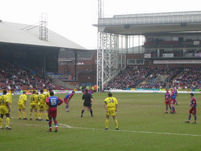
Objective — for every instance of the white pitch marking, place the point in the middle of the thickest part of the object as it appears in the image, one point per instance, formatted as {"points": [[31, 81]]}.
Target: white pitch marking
{"points": [[65, 125], [130, 131]]}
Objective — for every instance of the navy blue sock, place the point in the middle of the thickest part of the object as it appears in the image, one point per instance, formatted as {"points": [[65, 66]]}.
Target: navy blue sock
{"points": [[82, 112], [166, 108], [189, 117], [195, 117], [91, 112]]}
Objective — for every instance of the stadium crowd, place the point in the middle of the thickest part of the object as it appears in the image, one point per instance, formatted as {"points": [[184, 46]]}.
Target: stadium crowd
{"points": [[157, 77], [130, 77], [13, 77], [188, 79]]}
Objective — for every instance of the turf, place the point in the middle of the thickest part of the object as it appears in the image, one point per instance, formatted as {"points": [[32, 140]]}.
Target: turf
{"points": [[143, 127]]}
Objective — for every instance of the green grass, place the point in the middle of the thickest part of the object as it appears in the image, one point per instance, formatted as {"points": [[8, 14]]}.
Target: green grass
{"points": [[136, 113]]}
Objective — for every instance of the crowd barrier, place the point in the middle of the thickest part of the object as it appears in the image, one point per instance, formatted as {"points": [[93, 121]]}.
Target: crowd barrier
{"points": [[147, 90]]}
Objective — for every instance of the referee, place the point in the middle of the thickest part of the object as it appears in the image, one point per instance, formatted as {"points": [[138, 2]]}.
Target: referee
{"points": [[88, 99]]}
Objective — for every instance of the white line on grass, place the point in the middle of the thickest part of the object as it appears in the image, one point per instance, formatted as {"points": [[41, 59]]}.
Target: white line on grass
{"points": [[65, 125], [130, 131]]}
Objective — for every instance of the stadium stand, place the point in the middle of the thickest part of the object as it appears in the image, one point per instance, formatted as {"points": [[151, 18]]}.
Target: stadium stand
{"points": [[130, 77], [157, 77], [16, 78], [28, 58], [188, 79]]}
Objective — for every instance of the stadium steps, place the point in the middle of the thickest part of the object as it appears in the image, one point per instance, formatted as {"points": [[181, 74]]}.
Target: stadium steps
{"points": [[161, 78], [63, 84], [143, 81], [177, 74]]}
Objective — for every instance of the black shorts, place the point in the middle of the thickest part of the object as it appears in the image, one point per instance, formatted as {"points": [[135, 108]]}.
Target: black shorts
{"points": [[87, 104]]}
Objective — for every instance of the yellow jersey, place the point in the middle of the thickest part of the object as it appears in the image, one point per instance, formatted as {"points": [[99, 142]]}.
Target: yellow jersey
{"points": [[34, 99], [42, 99], [4, 100], [111, 102], [22, 99], [10, 97], [47, 95]]}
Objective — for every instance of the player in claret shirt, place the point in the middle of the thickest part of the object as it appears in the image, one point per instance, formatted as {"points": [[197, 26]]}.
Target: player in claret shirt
{"points": [[175, 91], [67, 100], [173, 101], [167, 100], [53, 102], [192, 110]]}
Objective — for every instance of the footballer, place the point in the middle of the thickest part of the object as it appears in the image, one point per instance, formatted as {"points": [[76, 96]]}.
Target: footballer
{"points": [[22, 106], [192, 109], [67, 99], [53, 102], [5, 110], [41, 105], [173, 101], [111, 105], [33, 105], [88, 99], [167, 100]]}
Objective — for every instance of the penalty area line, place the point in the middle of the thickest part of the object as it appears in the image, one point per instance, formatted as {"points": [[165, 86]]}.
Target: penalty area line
{"points": [[131, 131]]}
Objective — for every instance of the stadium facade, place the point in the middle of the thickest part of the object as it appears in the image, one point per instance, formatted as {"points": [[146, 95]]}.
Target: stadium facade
{"points": [[162, 38]]}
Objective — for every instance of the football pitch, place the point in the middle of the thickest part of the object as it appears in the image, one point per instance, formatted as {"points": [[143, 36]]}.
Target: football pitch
{"points": [[143, 127]]}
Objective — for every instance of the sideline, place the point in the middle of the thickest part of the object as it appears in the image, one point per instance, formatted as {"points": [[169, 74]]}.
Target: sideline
{"points": [[130, 131]]}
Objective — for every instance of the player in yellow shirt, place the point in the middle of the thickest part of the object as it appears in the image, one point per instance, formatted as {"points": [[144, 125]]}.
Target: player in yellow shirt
{"points": [[22, 106], [10, 97], [10, 100], [110, 105], [42, 104], [33, 105], [47, 95], [4, 110]]}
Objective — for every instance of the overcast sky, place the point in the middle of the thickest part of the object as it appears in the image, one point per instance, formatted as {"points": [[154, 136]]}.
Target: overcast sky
{"points": [[74, 18]]}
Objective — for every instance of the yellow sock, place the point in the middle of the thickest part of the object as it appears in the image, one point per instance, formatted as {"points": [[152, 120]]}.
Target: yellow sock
{"points": [[116, 123], [46, 114], [1, 120], [106, 123], [7, 122], [40, 115], [36, 115], [24, 114], [19, 114]]}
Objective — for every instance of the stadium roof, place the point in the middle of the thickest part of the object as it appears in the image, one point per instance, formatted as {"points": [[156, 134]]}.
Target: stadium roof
{"points": [[29, 34], [133, 24]]}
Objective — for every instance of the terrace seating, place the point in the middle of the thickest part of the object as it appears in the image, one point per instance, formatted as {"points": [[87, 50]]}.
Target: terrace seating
{"points": [[16, 78], [157, 77], [189, 79]]}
